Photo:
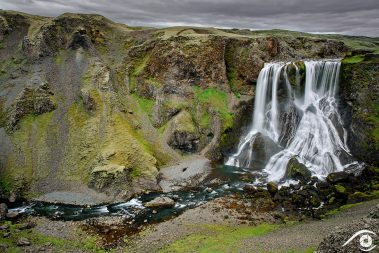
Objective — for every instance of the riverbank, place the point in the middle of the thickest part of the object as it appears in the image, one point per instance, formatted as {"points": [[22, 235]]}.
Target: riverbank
{"points": [[217, 225]]}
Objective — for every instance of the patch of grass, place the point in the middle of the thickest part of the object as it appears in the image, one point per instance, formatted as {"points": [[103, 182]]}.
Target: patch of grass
{"points": [[58, 59], [216, 99], [140, 64], [89, 243], [353, 59], [341, 208], [216, 238], [136, 172], [145, 104]]}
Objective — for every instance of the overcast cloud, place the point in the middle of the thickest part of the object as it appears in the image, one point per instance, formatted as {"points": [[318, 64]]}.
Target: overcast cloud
{"points": [[354, 17]]}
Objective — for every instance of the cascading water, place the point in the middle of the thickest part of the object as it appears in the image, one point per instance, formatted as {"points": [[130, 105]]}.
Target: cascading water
{"points": [[295, 121]]}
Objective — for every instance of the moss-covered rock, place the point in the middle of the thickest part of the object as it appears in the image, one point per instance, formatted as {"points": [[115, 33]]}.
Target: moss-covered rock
{"points": [[359, 91], [183, 134], [272, 188], [298, 171]]}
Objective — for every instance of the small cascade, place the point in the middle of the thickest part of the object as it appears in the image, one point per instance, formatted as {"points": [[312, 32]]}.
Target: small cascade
{"points": [[294, 120]]}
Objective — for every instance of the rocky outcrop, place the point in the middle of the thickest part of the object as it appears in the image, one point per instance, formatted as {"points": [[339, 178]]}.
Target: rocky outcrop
{"points": [[32, 100], [183, 134], [359, 91]]}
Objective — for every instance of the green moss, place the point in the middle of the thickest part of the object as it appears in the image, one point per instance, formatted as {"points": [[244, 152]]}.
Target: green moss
{"points": [[340, 189], [184, 123], [58, 59], [341, 208], [353, 59], [138, 67], [358, 196], [153, 82], [204, 120], [136, 172], [3, 115], [331, 200], [30, 140], [233, 81], [145, 104], [218, 101], [215, 238]]}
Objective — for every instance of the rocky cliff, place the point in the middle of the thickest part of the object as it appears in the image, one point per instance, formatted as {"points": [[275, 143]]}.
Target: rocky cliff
{"points": [[93, 106]]}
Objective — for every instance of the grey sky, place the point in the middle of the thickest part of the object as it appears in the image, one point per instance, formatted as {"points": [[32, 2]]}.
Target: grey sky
{"points": [[355, 17]]}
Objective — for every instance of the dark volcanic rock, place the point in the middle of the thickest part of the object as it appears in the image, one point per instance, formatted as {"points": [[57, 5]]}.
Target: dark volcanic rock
{"points": [[272, 188], [336, 177], [297, 170]]}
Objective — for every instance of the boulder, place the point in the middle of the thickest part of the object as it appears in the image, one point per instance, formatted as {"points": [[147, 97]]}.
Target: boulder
{"points": [[23, 242], [160, 202], [3, 210], [272, 188], [250, 189], [12, 215], [12, 197], [298, 171], [337, 177]]}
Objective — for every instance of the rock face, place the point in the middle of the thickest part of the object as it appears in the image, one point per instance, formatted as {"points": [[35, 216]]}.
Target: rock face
{"points": [[183, 134], [359, 91], [89, 103]]}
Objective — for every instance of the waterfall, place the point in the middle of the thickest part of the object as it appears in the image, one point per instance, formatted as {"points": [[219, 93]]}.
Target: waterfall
{"points": [[294, 120]]}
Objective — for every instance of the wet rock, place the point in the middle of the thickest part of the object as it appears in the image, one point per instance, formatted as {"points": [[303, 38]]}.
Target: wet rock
{"points": [[23, 242], [272, 188], [250, 189], [6, 234], [297, 170], [12, 215], [3, 210], [336, 177], [215, 182], [314, 201], [160, 202]]}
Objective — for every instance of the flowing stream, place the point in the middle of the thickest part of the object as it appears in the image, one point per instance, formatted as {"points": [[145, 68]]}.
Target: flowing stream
{"points": [[295, 120]]}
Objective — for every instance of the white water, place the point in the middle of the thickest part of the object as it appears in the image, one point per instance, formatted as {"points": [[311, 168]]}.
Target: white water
{"points": [[311, 131]]}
